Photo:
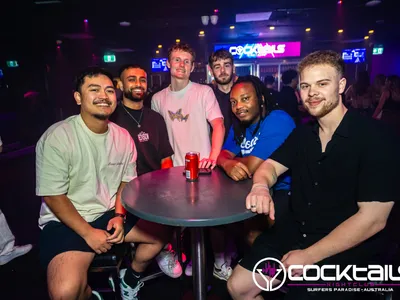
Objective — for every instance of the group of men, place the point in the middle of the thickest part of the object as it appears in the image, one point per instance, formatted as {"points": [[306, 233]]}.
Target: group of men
{"points": [[332, 207]]}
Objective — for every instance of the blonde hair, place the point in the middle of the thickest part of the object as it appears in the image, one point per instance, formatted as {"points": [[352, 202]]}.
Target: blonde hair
{"points": [[323, 57]]}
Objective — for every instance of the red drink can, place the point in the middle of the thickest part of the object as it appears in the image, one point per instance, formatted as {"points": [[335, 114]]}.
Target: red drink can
{"points": [[192, 166]]}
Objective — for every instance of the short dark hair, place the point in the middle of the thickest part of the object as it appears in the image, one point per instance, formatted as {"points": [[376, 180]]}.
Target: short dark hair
{"points": [[269, 79], [129, 66], [288, 76], [90, 72], [219, 54], [181, 47], [323, 57]]}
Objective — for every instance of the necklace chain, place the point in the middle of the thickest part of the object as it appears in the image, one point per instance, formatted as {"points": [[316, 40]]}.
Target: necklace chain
{"points": [[140, 118]]}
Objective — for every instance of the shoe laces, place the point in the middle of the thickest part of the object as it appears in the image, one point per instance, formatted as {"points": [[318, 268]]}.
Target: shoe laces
{"points": [[137, 288], [171, 259], [225, 269]]}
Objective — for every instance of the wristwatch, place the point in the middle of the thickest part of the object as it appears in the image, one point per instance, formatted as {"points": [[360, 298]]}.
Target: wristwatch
{"points": [[121, 215]]}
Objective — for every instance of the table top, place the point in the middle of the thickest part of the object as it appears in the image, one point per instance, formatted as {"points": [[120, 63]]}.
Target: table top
{"points": [[165, 197]]}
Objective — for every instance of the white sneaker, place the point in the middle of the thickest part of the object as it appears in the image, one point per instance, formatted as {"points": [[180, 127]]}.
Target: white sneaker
{"points": [[222, 273], [189, 269], [127, 292], [15, 252], [168, 263]]}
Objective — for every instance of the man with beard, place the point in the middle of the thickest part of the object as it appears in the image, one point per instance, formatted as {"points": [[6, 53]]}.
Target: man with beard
{"points": [[82, 165], [221, 66], [146, 126], [150, 135], [260, 131], [344, 184]]}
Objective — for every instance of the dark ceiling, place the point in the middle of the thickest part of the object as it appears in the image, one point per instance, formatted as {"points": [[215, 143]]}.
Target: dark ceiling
{"points": [[38, 26]]}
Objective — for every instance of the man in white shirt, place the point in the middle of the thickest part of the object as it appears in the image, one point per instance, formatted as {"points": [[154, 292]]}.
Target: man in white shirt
{"points": [[188, 108], [82, 165]]}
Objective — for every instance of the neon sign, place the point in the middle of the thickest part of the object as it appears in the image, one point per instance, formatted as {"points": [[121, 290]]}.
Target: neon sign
{"points": [[263, 50], [159, 65]]}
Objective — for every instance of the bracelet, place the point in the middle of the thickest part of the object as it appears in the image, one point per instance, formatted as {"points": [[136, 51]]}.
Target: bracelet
{"points": [[260, 185]]}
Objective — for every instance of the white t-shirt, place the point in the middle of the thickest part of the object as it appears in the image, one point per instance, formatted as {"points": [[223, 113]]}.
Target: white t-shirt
{"points": [[87, 167], [186, 113]]}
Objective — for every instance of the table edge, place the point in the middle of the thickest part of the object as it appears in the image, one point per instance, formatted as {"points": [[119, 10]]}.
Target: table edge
{"points": [[195, 223]]}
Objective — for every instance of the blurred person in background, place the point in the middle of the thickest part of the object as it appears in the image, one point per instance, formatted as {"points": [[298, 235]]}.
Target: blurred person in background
{"points": [[389, 103], [360, 95], [287, 97], [379, 85]]}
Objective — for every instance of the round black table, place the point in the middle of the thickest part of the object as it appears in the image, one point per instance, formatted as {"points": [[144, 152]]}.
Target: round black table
{"points": [[165, 197]]}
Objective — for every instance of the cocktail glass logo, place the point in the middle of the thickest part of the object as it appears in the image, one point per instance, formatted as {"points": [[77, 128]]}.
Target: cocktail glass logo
{"points": [[269, 268]]}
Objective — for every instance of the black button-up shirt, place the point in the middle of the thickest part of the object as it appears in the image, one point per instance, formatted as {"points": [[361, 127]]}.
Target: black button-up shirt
{"points": [[360, 164]]}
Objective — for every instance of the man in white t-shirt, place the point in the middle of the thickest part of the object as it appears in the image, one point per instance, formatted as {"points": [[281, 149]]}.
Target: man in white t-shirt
{"points": [[188, 109], [82, 165]]}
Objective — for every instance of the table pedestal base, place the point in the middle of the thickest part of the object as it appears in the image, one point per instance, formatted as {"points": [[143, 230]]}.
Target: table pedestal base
{"points": [[198, 263]]}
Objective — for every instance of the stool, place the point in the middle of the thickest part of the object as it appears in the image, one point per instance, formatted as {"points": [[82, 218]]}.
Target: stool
{"points": [[110, 262]]}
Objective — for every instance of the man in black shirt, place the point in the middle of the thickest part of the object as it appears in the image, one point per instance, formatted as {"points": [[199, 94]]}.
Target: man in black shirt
{"points": [[146, 126], [221, 66], [344, 185], [150, 135]]}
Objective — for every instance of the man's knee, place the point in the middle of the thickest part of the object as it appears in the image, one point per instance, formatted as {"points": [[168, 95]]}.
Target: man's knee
{"points": [[231, 287], [235, 287], [67, 275], [66, 289]]}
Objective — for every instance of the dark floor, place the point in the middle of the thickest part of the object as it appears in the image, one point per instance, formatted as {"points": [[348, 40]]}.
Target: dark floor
{"points": [[23, 279]]}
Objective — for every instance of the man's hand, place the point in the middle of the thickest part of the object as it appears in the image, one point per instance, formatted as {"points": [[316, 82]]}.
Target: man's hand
{"points": [[236, 170], [118, 236], [97, 240], [259, 200], [207, 163], [297, 257]]}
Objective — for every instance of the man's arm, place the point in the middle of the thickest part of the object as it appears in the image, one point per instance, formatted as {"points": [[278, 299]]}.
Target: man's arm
{"points": [[217, 137], [119, 209], [233, 168], [167, 163], [369, 220], [66, 212], [259, 199], [268, 173], [251, 162]]}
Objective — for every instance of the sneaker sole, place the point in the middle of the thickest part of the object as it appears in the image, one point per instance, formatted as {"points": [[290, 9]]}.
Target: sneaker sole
{"points": [[219, 277]]}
